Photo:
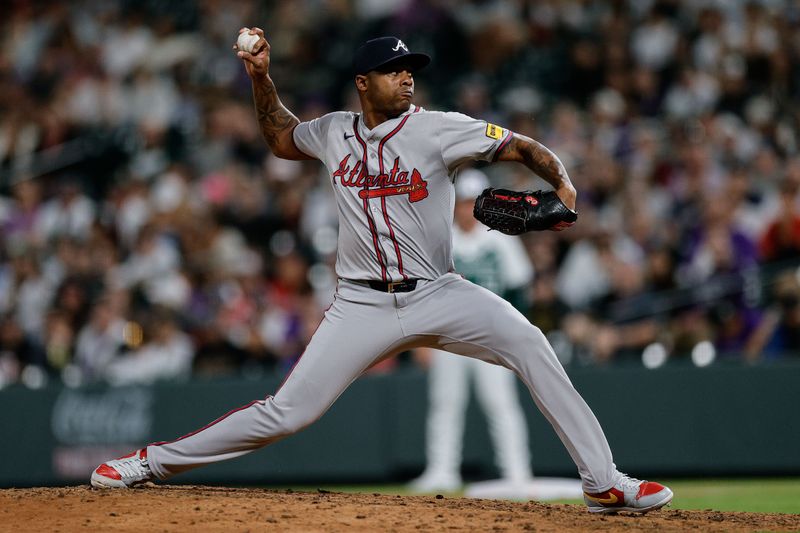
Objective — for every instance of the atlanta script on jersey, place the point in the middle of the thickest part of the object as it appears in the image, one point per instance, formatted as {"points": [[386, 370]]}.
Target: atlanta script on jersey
{"points": [[394, 186]]}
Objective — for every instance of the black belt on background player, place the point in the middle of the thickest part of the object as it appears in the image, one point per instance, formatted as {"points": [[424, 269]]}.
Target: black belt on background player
{"points": [[407, 285]]}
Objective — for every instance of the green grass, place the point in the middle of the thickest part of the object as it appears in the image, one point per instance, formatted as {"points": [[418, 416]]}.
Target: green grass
{"points": [[759, 495], [753, 495]]}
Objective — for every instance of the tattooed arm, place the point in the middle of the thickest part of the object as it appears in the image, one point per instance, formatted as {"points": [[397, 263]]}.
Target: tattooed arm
{"points": [[276, 122], [543, 162]]}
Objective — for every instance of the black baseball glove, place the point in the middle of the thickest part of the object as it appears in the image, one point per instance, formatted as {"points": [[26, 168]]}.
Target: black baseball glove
{"points": [[513, 212]]}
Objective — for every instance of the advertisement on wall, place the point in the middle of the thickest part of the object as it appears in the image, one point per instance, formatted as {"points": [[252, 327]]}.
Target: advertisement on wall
{"points": [[89, 427]]}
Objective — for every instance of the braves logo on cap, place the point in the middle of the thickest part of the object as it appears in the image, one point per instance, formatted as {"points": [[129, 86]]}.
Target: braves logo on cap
{"points": [[376, 53], [400, 44]]}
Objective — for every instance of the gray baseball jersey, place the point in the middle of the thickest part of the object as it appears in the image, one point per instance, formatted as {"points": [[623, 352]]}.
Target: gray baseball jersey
{"points": [[394, 187], [394, 191]]}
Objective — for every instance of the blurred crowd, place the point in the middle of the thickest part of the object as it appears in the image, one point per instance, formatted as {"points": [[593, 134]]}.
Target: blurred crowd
{"points": [[148, 233]]}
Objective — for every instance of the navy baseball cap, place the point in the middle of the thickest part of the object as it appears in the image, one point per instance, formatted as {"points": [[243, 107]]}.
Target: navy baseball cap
{"points": [[379, 52]]}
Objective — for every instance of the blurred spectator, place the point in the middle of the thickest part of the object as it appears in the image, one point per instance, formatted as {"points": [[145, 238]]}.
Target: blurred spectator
{"points": [[716, 246], [585, 274], [19, 223], [17, 350], [69, 214], [31, 296], [153, 257], [618, 325], [781, 240], [100, 341], [547, 310], [655, 39], [166, 354], [778, 334], [283, 325], [58, 341]]}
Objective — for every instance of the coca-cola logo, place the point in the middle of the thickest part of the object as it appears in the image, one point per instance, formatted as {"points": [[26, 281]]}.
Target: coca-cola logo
{"points": [[112, 416]]}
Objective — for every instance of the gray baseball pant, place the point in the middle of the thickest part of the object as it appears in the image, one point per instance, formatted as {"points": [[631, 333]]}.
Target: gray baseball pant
{"points": [[364, 326]]}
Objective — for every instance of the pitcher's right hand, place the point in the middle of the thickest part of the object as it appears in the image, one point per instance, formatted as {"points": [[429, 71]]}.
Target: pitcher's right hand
{"points": [[257, 63]]}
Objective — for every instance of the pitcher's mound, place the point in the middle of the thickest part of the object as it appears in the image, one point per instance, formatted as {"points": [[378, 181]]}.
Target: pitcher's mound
{"points": [[187, 508]]}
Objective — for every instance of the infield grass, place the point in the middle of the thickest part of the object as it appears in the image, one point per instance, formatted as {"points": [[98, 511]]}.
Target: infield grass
{"points": [[758, 495]]}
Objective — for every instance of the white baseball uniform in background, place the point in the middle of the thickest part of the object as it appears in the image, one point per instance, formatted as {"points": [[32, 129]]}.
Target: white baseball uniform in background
{"points": [[499, 263], [394, 191]]}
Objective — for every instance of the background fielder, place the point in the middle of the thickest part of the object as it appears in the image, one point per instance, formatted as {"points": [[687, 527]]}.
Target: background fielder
{"points": [[393, 185], [499, 263]]}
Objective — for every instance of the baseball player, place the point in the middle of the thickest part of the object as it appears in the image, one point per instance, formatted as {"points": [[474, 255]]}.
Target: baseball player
{"points": [[392, 168], [499, 263]]}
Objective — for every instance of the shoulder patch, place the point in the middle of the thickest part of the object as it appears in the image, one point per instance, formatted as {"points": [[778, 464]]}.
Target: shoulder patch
{"points": [[494, 132]]}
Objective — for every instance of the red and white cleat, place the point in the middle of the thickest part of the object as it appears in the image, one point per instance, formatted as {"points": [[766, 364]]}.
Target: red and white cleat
{"points": [[629, 494], [124, 472]]}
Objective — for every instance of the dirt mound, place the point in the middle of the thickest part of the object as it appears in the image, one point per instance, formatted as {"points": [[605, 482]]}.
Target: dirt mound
{"points": [[179, 508]]}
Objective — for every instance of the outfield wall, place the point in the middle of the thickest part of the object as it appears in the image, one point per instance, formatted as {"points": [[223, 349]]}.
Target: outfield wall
{"points": [[672, 421]]}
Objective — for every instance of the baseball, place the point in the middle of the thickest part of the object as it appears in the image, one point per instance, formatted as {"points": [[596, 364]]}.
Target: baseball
{"points": [[247, 42]]}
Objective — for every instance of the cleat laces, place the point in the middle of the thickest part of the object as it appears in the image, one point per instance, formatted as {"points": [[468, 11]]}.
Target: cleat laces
{"points": [[132, 469], [630, 485], [628, 482]]}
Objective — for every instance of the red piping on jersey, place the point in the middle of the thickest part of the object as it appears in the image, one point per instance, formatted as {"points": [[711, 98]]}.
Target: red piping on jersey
{"points": [[502, 145], [383, 198], [372, 227]]}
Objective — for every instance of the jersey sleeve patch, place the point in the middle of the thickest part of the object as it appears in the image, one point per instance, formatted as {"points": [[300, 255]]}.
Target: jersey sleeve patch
{"points": [[494, 132]]}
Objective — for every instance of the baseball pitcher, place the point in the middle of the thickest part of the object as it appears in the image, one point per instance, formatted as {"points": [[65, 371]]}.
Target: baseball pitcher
{"points": [[391, 168]]}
